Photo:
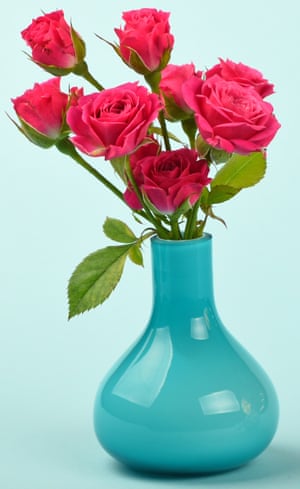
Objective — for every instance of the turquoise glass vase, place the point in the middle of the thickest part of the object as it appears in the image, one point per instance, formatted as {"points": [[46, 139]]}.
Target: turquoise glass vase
{"points": [[187, 397]]}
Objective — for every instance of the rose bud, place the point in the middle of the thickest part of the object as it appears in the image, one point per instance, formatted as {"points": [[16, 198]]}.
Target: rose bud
{"points": [[41, 111], [55, 45], [172, 79], [145, 40]]}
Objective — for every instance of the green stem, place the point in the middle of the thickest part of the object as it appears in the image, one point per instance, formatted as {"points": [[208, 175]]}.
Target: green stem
{"points": [[66, 147], [175, 229], [87, 76], [146, 236], [201, 228], [153, 80], [82, 70], [164, 130], [191, 222]]}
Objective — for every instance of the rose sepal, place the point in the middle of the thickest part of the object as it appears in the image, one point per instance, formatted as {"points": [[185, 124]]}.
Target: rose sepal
{"points": [[79, 45], [33, 135]]}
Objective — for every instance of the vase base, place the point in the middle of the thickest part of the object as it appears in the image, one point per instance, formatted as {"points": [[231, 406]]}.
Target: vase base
{"points": [[174, 473], [184, 466]]}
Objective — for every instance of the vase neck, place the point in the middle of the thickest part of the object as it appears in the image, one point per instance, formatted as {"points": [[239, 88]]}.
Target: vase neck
{"points": [[182, 275]]}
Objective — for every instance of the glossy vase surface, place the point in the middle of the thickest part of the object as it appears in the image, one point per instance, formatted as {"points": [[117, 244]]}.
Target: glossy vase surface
{"points": [[187, 397]]}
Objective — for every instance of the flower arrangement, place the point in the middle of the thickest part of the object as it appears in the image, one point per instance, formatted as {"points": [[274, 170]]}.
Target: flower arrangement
{"points": [[171, 186]]}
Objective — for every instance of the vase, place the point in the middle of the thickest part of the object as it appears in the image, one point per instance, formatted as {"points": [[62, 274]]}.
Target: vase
{"points": [[187, 397]]}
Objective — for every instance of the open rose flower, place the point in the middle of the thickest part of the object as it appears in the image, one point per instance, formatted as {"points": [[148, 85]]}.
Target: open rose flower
{"points": [[168, 179], [230, 116], [113, 122], [53, 42], [41, 111], [145, 40], [172, 79], [242, 74]]}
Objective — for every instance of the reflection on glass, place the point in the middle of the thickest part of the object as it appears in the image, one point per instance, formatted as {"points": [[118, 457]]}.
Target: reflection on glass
{"points": [[220, 402], [144, 378], [199, 330]]}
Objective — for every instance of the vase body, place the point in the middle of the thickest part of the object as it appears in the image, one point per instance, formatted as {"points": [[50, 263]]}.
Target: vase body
{"points": [[187, 397]]}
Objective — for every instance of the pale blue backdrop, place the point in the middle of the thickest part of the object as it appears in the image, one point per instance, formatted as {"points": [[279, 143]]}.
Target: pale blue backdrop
{"points": [[51, 217]]}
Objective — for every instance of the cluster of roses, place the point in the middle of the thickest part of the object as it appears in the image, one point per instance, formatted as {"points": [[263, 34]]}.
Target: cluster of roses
{"points": [[222, 111]]}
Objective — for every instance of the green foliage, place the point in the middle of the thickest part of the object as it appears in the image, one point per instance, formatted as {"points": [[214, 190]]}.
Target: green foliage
{"points": [[135, 254], [95, 278], [98, 274], [241, 171], [118, 231], [221, 193]]}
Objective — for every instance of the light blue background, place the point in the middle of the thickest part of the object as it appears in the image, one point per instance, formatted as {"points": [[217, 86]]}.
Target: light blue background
{"points": [[51, 217]]}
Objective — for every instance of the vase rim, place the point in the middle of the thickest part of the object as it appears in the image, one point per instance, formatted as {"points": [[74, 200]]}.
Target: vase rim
{"points": [[180, 242]]}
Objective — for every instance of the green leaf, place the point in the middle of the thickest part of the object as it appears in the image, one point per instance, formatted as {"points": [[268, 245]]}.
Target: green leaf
{"points": [[221, 193], [241, 171], [95, 278], [118, 231], [135, 255]]}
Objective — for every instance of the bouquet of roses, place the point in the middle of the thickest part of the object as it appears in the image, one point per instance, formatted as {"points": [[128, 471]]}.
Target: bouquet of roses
{"points": [[226, 122]]}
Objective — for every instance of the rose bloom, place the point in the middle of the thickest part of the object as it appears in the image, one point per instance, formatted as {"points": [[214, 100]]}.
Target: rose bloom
{"points": [[242, 74], [43, 107], [230, 116], [168, 179], [49, 37], [113, 122], [145, 40], [172, 79]]}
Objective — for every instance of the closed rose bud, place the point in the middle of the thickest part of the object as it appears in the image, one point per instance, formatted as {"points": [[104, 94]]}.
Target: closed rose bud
{"points": [[172, 79], [145, 40], [41, 111], [54, 43]]}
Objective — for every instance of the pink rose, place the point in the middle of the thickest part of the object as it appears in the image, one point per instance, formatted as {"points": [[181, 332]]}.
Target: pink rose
{"points": [[229, 116], [242, 74], [172, 79], [43, 109], [113, 122], [49, 37], [145, 40], [168, 179]]}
